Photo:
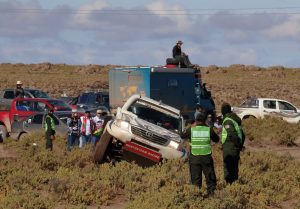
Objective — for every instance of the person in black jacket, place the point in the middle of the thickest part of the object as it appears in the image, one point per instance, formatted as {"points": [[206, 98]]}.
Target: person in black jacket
{"points": [[74, 130], [232, 143], [181, 57], [19, 91]]}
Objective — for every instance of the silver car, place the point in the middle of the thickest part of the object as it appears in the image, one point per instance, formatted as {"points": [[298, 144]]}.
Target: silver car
{"points": [[35, 124]]}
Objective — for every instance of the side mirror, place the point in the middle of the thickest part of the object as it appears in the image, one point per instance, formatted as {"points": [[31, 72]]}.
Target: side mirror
{"points": [[16, 118]]}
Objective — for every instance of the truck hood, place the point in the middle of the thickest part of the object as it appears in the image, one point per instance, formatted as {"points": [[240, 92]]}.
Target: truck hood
{"points": [[155, 129]]}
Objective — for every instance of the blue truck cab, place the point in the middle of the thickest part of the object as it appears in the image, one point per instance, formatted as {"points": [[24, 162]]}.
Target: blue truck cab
{"points": [[178, 87]]}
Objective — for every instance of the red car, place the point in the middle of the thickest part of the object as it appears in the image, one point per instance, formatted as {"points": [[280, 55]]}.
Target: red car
{"points": [[21, 108]]}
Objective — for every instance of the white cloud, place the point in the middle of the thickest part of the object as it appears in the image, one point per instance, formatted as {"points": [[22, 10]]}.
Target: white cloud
{"points": [[287, 29], [83, 16], [161, 7]]}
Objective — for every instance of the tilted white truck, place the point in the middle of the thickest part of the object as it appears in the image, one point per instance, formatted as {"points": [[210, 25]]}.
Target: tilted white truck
{"points": [[261, 107], [145, 131]]}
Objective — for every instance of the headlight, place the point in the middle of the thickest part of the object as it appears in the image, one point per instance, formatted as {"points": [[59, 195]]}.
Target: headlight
{"points": [[122, 124], [174, 144]]}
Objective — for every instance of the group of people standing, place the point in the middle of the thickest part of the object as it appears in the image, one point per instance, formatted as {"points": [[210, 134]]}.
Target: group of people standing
{"points": [[85, 129], [200, 135], [82, 130]]}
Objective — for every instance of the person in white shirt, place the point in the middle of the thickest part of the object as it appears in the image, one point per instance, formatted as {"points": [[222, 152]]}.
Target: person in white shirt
{"points": [[99, 122]]}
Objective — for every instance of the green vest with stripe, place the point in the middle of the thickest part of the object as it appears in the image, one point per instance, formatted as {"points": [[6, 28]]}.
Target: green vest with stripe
{"points": [[51, 122], [237, 128], [200, 140]]}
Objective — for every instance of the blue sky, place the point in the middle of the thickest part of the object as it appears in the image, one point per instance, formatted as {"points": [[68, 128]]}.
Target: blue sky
{"points": [[143, 32]]}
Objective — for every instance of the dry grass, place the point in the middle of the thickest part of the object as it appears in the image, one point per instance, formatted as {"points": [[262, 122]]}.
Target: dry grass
{"points": [[41, 179]]}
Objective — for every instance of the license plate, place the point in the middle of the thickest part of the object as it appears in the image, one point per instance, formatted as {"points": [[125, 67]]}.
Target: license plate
{"points": [[145, 152]]}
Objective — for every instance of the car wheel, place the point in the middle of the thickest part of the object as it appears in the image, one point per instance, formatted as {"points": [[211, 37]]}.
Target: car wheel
{"points": [[101, 147], [248, 117], [3, 133], [22, 136]]}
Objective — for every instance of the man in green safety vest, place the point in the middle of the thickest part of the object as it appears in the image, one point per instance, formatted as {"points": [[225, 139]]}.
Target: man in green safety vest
{"points": [[49, 129], [232, 143], [200, 159]]}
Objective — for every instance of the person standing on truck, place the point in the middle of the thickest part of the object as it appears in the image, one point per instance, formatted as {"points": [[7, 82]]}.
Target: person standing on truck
{"points": [[74, 130], [86, 129], [181, 57], [99, 122], [232, 143], [200, 158], [49, 129], [19, 91]]}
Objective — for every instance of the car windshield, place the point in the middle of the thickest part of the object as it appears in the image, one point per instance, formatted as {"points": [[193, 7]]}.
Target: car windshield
{"points": [[250, 103], [39, 94], [60, 105], [155, 115]]}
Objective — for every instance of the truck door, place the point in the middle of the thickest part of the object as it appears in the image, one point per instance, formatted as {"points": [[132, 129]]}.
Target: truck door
{"points": [[269, 106]]}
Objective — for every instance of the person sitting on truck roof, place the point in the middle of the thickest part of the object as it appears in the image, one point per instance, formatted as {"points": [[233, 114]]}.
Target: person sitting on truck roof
{"points": [[181, 57], [19, 91]]}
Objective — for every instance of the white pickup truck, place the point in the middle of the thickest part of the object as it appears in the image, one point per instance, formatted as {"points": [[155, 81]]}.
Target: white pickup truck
{"points": [[260, 107]]}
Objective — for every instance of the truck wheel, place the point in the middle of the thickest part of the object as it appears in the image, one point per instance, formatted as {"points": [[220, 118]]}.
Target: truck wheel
{"points": [[3, 133], [22, 136], [101, 147]]}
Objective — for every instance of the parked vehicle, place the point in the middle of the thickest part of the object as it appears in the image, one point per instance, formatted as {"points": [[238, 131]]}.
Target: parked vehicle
{"points": [[21, 108], [91, 101], [7, 95], [260, 107], [145, 131], [34, 124], [181, 88]]}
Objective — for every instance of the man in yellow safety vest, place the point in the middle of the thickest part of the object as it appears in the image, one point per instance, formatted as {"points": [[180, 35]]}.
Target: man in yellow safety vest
{"points": [[200, 158], [232, 143]]}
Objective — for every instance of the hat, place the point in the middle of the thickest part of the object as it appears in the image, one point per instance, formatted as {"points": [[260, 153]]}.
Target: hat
{"points": [[226, 108], [201, 116], [179, 42], [100, 111], [74, 110], [19, 83]]}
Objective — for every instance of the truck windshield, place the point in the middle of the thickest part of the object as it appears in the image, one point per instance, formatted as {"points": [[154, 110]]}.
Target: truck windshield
{"points": [[250, 103], [60, 105], [93, 98], [39, 94], [155, 115]]}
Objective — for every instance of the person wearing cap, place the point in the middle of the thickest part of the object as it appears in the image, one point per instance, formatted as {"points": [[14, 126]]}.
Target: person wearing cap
{"points": [[86, 128], [19, 91], [98, 121], [74, 130], [180, 56], [232, 143], [49, 129], [200, 136]]}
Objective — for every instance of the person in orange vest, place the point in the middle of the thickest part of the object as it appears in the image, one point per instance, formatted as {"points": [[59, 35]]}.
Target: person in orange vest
{"points": [[86, 128]]}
